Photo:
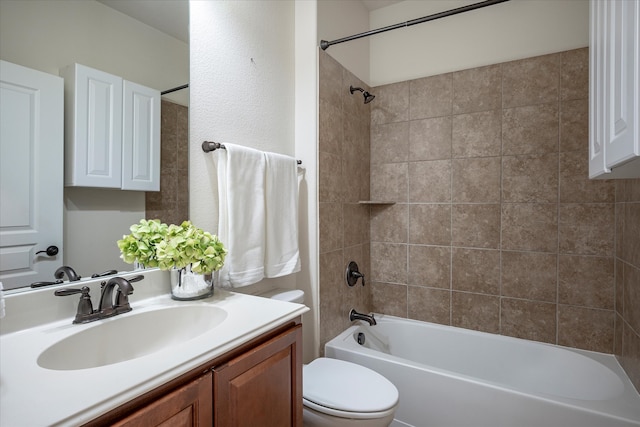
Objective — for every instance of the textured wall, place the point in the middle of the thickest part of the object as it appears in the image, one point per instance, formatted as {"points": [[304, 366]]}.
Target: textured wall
{"points": [[241, 89], [343, 181], [244, 74]]}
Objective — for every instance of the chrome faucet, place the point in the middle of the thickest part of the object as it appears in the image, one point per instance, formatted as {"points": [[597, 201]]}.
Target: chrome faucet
{"points": [[354, 315], [110, 304], [70, 272]]}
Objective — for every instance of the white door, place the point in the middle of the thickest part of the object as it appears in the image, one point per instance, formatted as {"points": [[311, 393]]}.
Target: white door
{"points": [[31, 174]]}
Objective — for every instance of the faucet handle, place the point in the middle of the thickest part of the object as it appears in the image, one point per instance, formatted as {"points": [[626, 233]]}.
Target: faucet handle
{"points": [[85, 307], [104, 273], [71, 291], [352, 274]]}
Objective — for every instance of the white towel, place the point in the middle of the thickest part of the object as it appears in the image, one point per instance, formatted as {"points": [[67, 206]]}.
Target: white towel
{"points": [[282, 255], [241, 221]]}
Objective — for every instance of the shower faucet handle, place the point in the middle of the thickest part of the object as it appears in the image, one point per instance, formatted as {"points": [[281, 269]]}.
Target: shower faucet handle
{"points": [[352, 274]]}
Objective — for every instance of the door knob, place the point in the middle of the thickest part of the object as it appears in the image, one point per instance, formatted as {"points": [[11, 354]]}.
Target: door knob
{"points": [[50, 251]]}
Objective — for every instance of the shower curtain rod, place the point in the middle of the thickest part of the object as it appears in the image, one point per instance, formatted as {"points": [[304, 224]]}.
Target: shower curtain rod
{"points": [[325, 44], [174, 89]]}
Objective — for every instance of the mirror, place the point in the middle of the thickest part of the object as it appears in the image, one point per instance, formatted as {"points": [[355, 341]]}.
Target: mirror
{"points": [[109, 35]]}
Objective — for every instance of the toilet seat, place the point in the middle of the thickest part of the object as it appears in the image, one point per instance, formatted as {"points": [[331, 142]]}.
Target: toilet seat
{"points": [[347, 390]]}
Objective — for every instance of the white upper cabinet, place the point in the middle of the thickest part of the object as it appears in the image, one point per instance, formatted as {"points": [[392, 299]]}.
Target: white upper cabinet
{"points": [[112, 131], [614, 93], [140, 138]]}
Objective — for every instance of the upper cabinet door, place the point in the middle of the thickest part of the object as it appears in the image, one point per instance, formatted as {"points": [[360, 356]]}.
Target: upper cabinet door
{"points": [[622, 82], [597, 92], [93, 131], [31, 150], [614, 137], [141, 138]]}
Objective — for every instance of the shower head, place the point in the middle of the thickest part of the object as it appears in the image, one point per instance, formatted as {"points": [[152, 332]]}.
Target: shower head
{"points": [[367, 96]]}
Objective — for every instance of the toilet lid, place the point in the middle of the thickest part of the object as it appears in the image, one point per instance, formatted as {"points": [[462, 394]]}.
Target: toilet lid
{"points": [[345, 386]]}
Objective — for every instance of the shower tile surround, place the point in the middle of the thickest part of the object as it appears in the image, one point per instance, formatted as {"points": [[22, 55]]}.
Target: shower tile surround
{"points": [[344, 122], [171, 203], [496, 227]]}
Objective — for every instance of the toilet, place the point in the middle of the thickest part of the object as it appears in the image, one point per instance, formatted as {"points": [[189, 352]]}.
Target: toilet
{"points": [[337, 393]]}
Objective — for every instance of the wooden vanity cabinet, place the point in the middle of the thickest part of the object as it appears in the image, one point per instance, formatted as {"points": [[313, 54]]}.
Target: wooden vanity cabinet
{"points": [[188, 406], [262, 387], [256, 384]]}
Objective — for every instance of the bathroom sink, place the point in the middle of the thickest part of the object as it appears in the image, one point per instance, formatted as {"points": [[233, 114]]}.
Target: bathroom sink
{"points": [[128, 337]]}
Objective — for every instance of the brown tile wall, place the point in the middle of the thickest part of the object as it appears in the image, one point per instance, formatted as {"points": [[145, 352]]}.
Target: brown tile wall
{"points": [[343, 181], [171, 203], [496, 227], [627, 339]]}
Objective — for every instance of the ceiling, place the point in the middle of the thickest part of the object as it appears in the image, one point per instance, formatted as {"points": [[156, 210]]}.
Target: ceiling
{"points": [[169, 16], [172, 16], [377, 4]]}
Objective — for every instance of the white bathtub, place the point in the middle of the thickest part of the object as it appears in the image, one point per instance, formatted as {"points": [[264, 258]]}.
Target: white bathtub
{"points": [[452, 377]]}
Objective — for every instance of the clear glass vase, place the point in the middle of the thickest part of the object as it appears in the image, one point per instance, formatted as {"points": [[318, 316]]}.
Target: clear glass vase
{"points": [[188, 286]]}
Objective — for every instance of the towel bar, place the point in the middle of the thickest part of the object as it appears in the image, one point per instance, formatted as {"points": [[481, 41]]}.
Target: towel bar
{"points": [[209, 146]]}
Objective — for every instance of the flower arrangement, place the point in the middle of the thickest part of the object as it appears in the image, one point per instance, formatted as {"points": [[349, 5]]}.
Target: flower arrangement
{"points": [[156, 244]]}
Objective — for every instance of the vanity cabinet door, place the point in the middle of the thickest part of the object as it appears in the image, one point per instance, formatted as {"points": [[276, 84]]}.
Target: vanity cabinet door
{"points": [[262, 387], [190, 405]]}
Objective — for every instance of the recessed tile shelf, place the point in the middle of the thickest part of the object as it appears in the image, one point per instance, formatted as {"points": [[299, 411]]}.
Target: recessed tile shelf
{"points": [[376, 202]]}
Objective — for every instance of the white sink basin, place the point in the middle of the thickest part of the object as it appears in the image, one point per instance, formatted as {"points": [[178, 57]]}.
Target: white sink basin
{"points": [[133, 335]]}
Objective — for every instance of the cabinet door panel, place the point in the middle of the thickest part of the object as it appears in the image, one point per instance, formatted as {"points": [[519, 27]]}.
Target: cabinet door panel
{"points": [[597, 94], [624, 19], [189, 405], [262, 387], [93, 146], [141, 138]]}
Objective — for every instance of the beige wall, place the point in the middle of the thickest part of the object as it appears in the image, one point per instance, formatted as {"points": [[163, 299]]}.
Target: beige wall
{"points": [[339, 18], [48, 35], [503, 32]]}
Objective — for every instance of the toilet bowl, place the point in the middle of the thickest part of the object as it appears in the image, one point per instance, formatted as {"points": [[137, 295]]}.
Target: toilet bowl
{"points": [[337, 393]]}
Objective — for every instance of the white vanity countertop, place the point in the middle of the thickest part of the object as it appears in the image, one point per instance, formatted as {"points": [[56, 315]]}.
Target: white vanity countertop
{"points": [[34, 396]]}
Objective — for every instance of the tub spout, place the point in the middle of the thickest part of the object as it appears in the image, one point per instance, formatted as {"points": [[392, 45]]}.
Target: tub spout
{"points": [[354, 315]]}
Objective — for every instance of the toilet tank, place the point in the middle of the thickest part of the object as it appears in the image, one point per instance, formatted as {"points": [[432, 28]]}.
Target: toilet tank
{"points": [[289, 295]]}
